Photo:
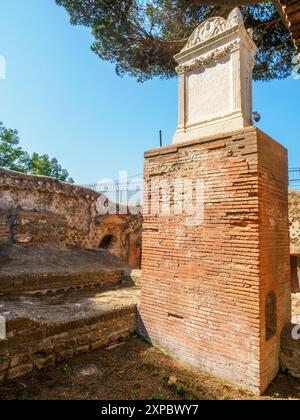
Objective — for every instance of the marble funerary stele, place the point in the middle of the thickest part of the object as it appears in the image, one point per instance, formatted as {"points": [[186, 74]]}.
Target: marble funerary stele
{"points": [[215, 79]]}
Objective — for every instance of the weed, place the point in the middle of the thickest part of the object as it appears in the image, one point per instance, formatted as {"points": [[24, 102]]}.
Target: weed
{"points": [[156, 396], [67, 369], [23, 397], [148, 364], [183, 390], [166, 379], [155, 372]]}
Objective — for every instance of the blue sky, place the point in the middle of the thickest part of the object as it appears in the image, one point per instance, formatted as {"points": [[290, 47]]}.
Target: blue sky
{"points": [[68, 103]]}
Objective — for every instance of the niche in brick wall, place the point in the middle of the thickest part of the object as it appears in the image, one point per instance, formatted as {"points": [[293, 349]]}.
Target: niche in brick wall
{"points": [[135, 249], [295, 268], [271, 316], [106, 242]]}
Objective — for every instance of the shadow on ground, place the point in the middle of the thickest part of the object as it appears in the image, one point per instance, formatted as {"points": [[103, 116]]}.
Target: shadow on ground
{"points": [[132, 371]]}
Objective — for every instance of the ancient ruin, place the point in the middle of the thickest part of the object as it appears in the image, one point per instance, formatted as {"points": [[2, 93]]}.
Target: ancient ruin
{"points": [[63, 273], [294, 214], [219, 287], [217, 294], [290, 345]]}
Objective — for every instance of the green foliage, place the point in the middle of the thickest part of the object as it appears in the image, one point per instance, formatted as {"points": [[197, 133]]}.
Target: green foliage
{"points": [[157, 396], [13, 157], [183, 390], [23, 397], [67, 369], [11, 154], [142, 36], [43, 165]]}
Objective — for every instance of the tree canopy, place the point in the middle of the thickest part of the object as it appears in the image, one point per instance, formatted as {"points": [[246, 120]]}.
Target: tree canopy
{"points": [[142, 36], [12, 156]]}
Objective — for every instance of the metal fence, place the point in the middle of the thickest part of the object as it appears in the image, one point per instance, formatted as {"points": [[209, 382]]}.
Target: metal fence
{"points": [[117, 187], [134, 186], [129, 192], [294, 178]]}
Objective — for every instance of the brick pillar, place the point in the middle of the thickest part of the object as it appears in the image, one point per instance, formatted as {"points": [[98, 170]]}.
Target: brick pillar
{"points": [[216, 295]]}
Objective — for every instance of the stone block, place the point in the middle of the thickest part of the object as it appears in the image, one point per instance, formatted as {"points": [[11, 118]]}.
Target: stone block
{"points": [[44, 362], [20, 359], [65, 355], [100, 344], [68, 345], [19, 370], [84, 339], [82, 349], [4, 363]]}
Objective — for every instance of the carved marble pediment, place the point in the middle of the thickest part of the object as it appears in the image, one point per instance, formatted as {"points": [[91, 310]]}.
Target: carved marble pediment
{"points": [[215, 79], [214, 27], [212, 57]]}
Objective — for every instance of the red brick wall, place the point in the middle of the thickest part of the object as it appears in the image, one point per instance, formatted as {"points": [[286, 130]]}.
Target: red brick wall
{"points": [[274, 247], [204, 286]]}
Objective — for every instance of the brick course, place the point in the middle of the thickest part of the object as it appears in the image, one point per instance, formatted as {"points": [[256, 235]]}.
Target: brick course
{"points": [[32, 344], [205, 287]]}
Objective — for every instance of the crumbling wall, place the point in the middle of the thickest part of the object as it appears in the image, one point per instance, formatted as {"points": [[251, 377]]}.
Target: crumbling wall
{"points": [[294, 218], [41, 210], [294, 215]]}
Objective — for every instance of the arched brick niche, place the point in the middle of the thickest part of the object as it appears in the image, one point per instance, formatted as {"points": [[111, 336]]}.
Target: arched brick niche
{"points": [[107, 242], [135, 249], [271, 316], [110, 233], [121, 235]]}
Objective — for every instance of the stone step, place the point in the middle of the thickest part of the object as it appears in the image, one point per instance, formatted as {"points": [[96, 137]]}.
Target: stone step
{"points": [[44, 329], [40, 269]]}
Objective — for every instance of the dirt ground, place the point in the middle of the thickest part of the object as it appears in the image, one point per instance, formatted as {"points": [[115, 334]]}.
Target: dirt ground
{"points": [[133, 371]]}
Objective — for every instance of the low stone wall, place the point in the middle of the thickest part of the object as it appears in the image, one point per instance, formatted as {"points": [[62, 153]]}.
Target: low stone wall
{"points": [[38, 210], [41, 210], [31, 345]]}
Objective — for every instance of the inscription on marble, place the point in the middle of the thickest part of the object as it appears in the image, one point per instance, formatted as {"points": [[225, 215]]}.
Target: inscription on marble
{"points": [[215, 79], [209, 92]]}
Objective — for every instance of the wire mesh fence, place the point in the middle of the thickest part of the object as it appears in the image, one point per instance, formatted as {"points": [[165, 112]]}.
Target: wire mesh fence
{"points": [[134, 186], [116, 187], [294, 178]]}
